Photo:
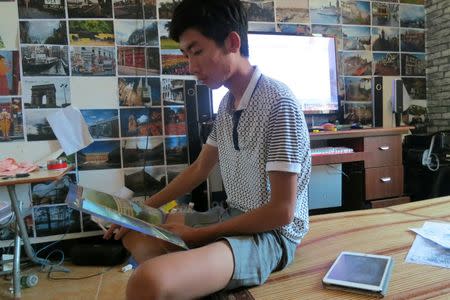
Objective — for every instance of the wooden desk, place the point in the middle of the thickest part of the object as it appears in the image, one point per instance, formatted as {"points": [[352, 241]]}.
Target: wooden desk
{"points": [[41, 175], [379, 179], [380, 231]]}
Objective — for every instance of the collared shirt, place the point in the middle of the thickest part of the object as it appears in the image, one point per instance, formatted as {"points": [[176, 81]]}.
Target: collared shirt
{"points": [[273, 136]]}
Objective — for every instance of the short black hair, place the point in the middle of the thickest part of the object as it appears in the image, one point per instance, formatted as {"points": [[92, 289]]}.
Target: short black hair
{"points": [[215, 19]]}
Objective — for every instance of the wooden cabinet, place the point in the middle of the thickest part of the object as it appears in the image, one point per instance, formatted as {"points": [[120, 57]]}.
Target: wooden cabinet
{"points": [[383, 151], [378, 159], [383, 182]]}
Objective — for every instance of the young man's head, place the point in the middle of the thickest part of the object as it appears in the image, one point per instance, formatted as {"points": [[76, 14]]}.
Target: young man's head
{"points": [[215, 19], [213, 37]]}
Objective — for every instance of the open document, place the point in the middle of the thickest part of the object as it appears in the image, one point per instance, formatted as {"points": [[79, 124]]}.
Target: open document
{"points": [[123, 212], [431, 246]]}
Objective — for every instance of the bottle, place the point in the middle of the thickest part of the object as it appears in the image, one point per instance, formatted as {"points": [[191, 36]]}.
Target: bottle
{"points": [[27, 281]]}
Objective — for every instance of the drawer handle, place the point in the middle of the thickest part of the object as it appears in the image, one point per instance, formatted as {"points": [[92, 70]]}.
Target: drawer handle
{"points": [[383, 148], [385, 179]]}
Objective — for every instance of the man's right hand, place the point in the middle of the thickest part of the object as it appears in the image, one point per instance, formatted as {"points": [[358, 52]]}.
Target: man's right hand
{"points": [[116, 230]]}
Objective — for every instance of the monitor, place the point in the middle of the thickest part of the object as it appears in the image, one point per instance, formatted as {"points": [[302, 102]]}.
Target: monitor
{"points": [[307, 64]]}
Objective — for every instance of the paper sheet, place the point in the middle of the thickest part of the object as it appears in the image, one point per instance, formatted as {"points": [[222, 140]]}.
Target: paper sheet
{"points": [[436, 232], [70, 129], [427, 251]]}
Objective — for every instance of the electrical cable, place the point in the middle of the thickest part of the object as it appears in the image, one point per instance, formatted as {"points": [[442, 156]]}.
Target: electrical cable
{"points": [[46, 262], [429, 162], [145, 79], [339, 170], [50, 277]]}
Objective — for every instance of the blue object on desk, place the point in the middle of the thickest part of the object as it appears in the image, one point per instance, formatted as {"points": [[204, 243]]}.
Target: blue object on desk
{"points": [[356, 125]]}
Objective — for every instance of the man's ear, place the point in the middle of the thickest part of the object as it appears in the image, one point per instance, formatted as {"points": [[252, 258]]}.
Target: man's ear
{"points": [[233, 42]]}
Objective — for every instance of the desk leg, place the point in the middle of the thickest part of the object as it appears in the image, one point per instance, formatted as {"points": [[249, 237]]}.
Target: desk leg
{"points": [[16, 265], [21, 226]]}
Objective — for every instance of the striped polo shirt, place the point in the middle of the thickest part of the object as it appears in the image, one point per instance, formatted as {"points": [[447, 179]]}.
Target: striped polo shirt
{"points": [[272, 136]]}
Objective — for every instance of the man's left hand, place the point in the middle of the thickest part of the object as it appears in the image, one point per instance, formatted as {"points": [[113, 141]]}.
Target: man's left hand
{"points": [[191, 236]]}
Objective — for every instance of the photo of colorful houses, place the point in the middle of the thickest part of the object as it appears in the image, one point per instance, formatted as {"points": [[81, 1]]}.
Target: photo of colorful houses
{"points": [[93, 61]]}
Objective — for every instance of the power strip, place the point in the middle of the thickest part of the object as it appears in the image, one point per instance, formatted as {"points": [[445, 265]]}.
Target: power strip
{"points": [[7, 266]]}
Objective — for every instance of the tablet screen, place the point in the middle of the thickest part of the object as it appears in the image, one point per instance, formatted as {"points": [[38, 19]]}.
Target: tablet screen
{"points": [[362, 269]]}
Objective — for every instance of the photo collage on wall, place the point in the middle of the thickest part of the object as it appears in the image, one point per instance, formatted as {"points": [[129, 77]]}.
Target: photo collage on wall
{"points": [[140, 134], [374, 38], [114, 61]]}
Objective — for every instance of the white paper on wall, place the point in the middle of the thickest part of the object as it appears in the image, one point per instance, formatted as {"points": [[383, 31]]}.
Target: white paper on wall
{"points": [[70, 129]]}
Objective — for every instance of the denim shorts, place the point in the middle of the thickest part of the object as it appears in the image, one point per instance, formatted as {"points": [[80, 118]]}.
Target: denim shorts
{"points": [[255, 256]]}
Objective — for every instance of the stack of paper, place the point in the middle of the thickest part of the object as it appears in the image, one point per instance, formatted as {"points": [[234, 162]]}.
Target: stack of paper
{"points": [[431, 246]]}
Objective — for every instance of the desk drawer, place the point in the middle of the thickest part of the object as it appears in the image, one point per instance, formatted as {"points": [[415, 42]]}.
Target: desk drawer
{"points": [[384, 182], [383, 151]]}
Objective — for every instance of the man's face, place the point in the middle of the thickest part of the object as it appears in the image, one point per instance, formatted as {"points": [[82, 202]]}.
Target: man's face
{"points": [[210, 63]]}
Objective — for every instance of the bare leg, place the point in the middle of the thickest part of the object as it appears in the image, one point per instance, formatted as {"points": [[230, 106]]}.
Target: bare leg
{"points": [[143, 247], [183, 275]]}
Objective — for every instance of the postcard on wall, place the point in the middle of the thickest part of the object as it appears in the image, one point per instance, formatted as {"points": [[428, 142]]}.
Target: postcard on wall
{"points": [[53, 32], [176, 150], [100, 155], [262, 11], [11, 119], [9, 27], [386, 64], [45, 60], [95, 9], [147, 181], [139, 91], [385, 39], [173, 62], [46, 92], [292, 11], [175, 120], [102, 123], [166, 8], [358, 89], [36, 10], [91, 33], [148, 151], [412, 40], [141, 122], [325, 12], [37, 126], [93, 61], [355, 12], [128, 10], [385, 14], [9, 73], [412, 16]]}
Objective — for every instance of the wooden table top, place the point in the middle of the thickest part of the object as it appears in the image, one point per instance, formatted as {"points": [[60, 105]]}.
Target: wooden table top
{"points": [[379, 231], [40, 175]]}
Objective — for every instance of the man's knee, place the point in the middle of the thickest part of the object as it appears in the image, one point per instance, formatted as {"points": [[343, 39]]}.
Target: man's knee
{"points": [[148, 282], [130, 240]]}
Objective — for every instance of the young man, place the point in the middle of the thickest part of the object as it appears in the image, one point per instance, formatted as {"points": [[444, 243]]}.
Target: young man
{"points": [[261, 142]]}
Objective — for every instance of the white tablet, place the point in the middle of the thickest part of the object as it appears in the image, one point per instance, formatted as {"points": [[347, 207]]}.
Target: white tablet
{"points": [[360, 271]]}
